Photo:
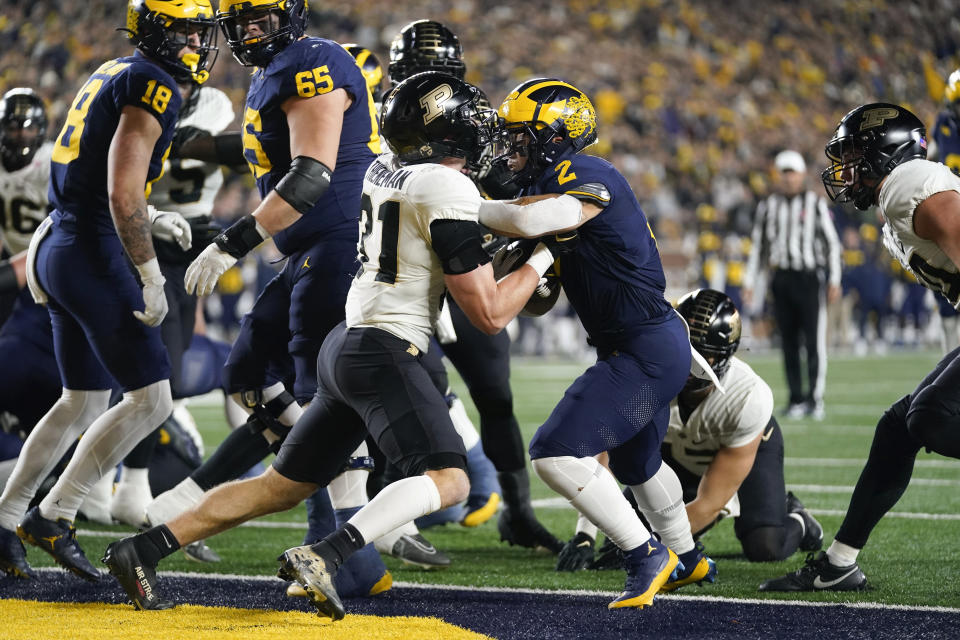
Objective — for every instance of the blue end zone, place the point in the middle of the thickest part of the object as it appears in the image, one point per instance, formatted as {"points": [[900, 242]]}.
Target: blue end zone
{"points": [[518, 614]]}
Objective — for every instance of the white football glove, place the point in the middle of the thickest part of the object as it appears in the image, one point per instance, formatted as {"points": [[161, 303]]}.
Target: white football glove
{"points": [[206, 269], [154, 300], [170, 226]]}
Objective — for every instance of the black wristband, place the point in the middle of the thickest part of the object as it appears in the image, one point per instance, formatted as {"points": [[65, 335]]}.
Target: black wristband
{"points": [[305, 182], [240, 237], [8, 278]]}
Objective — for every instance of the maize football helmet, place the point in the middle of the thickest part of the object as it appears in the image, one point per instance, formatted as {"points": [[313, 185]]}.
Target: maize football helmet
{"points": [[23, 125], [715, 326], [161, 29], [869, 142], [433, 115], [283, 22], [370, 67], [542, 119], [425, 45]]}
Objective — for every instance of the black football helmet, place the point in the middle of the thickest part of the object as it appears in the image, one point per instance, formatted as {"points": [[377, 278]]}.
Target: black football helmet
{"points": [[425, 45], [869, 142], [286, 22], [543, 119], [433, 115], [370, 67], [160, 29], [23, 126], [714, 323]]}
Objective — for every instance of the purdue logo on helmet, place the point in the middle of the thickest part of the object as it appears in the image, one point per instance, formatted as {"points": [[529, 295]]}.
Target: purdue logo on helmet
{"points": [[162, 28], [715, 328], [370, 68], [284, 22], [425, 45], [23, 125], [543, 119], [433, 115], [868, 144]]}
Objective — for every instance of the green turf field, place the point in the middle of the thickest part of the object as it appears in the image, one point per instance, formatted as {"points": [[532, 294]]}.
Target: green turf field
{"points": [[911, 558]]}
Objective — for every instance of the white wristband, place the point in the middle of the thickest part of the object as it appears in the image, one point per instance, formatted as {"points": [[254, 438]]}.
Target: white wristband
{"points": [[541, 259], [150, 272]]}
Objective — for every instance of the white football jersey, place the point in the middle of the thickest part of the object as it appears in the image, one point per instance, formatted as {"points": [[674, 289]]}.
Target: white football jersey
{"points": [[901, 193], [730, 419], [23, 199], [190, 186], [400, 282]]}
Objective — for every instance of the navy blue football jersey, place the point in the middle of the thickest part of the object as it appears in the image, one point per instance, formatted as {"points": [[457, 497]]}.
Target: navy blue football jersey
{"points": [[613, 278], [309, 67], [78, 169], [946, 133]]}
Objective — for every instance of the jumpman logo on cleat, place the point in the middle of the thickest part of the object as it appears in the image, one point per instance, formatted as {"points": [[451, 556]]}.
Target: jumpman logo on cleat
{"points": [[650, 549], [51, 540], [306, 263]]}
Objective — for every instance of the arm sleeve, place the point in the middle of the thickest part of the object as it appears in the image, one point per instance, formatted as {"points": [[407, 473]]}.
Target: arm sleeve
{"points": [[458, 244], [531, 220]]}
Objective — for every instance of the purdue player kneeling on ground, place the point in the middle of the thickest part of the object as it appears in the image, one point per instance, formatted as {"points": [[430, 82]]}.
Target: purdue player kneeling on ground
{"points": [[370, 376]]}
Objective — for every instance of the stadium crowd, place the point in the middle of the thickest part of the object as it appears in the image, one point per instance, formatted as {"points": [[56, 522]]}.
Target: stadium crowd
{"points": [[694, 105]]}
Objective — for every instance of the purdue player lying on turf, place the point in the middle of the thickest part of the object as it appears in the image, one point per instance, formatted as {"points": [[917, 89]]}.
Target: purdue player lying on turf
{"points": [[877, 157], [370, 375]]}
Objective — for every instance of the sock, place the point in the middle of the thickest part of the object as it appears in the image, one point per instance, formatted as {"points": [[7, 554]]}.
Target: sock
{"points": [[340, 545], [397, 504], [585, 526], [153, 545], [842, 555], [689, 558], [661, 500]]}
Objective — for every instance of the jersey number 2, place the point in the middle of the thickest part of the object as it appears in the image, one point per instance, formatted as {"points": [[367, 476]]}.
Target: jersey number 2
{"points": [[385, 228]]}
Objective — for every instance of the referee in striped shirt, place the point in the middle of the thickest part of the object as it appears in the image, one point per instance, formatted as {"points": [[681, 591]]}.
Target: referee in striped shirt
{"points": [[794, 234]]}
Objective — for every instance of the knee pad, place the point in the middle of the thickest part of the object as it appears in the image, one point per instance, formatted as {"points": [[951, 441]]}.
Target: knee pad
{"points": [[567, 475], [763, 544], [934, 421], [349, 489], [268, 407]]}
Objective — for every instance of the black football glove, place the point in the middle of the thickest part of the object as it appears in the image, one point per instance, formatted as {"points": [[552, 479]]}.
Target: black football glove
{"points": [[576, 554], [560, 243]]}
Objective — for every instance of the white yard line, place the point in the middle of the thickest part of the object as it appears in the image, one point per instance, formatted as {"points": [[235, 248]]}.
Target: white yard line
{"points": [[575, 592]]}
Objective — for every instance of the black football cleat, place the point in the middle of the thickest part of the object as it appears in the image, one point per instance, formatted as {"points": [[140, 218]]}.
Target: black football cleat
{"points": [[59, 539], [13, 557], [523, 529], [315, 574], [577, 554], [817, 574], [812, 539], [137, 578]]}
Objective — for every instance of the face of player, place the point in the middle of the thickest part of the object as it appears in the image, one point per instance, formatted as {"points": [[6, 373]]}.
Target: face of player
{"points": [[792, 181], [258, 25], [519, 144]]}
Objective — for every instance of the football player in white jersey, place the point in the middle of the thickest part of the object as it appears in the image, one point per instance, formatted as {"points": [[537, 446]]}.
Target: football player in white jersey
{"points": [[878, 157], [727, 447], [419, 237]]}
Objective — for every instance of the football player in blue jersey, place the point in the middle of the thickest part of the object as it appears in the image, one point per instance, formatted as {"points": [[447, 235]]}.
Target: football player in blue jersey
{"points": [[104, 160], [309, 134], [615, 283], [483, 361]]}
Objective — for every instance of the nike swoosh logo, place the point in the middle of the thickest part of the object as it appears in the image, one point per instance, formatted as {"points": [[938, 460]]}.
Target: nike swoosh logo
{"points": [[820, 584], [164, 536], [767, 435]]}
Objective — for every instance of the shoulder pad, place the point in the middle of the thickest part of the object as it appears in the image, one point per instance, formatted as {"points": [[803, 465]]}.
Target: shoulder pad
{"points": [[594, 192]]}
